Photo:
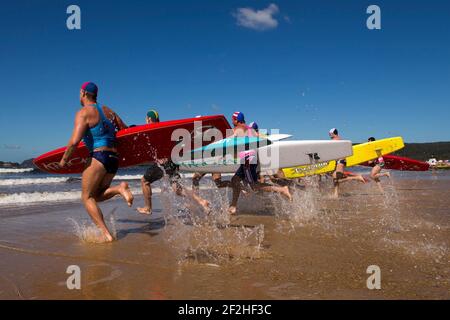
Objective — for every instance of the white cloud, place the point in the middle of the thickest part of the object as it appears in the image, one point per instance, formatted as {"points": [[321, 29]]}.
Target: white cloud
{"points": [[257, 19]]}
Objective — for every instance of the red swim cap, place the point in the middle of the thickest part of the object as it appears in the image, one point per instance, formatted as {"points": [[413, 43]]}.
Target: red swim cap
{"points": [[90, 87]]}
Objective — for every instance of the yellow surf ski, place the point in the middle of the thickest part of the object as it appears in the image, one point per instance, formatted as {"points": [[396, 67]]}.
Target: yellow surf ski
{"points": [[361, 153]]}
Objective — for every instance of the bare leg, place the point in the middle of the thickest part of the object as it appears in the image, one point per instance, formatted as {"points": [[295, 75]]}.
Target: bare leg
{"points": [[339, 168], [358, 177], [281, 190], [202, 202], [339, 177], [147, 192], [183, 192], [280, 174], [262, 178], [106, 192], [217, 178], [196, 181], [336, 191], [236, 185], [376, 174], [90, 183]]}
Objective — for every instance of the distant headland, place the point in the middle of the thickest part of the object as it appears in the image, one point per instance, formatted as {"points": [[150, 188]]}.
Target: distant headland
{"points": [[25, 164]]}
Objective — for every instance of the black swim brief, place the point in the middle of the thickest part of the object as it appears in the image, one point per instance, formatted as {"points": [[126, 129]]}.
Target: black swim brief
{"points": [[153, 173], [172, 170], [339, 176], [248, 173], [108, 159]]}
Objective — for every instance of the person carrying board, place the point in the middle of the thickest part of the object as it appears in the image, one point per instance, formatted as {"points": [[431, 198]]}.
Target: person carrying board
{"points": [[96, 126], [154, 173], [377, 165], [247, 173], [216, 177], [339, 174]]}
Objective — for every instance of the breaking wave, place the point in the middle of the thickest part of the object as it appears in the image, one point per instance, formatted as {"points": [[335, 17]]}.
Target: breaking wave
{"points": [[25, 198], [8, 170], [22, 182]]}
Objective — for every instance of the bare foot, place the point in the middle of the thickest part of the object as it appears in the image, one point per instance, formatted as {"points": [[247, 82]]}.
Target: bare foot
{"points": [[145, 210], [388, 175], [205, 205], [108, 237], [232, 210], [126, 193], [361, 178], [286, 193]]}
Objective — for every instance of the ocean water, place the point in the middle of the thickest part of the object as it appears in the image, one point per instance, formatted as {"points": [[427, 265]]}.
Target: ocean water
{"points": [[19, 187]]}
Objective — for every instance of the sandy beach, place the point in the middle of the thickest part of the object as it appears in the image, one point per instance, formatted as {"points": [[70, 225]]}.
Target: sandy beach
{"points": [[313, 248]]}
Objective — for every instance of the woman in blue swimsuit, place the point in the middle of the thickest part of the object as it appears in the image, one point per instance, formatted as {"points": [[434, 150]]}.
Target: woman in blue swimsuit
{"points": [[97, 126]]}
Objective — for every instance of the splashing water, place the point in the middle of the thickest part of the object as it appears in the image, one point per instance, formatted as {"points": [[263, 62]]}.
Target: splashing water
{"points": [[201, 238], [90, 233], [306, 208], [391, 218]]}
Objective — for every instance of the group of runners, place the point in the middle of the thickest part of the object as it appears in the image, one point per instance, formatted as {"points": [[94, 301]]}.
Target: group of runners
{"points": [[97, 125]]}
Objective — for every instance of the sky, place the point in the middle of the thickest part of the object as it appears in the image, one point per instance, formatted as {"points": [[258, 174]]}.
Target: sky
{"points": [[299, 66]]}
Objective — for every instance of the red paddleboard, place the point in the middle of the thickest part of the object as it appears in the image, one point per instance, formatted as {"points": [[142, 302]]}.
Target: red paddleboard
{"points": [[136, 145], [404, 164]]}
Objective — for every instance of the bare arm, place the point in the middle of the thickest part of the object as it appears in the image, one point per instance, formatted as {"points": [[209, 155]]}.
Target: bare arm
{"points": [[80, 127], [114, 118]]}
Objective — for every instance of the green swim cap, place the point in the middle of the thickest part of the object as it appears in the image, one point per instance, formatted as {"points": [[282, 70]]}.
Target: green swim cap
{"points": [[153, 114]]}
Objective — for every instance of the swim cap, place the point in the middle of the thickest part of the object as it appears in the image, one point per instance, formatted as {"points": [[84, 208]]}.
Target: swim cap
{"points": [[333, 131], [371, 139], [254, 126], [90, 87], [238, 116], [153, 114]]}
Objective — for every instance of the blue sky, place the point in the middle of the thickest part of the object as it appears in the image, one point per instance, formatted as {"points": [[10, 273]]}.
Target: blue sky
{"points": [[301, 66]]}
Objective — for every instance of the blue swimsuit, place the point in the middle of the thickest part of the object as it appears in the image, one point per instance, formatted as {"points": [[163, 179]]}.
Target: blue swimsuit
{"points": [[102, 135]]}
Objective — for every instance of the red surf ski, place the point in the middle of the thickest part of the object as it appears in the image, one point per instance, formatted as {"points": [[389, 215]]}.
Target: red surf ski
{"points": [[402, 163], [136, 145]]}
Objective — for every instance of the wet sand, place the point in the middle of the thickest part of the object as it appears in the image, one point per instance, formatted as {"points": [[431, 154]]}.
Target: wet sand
{"points": [[314, 248]]}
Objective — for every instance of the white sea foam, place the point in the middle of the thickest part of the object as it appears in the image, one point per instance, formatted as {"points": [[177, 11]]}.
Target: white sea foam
{"points": [[139, 176], [8, 170], [36, 197], [21, 182], [25, 198], [128, 177], [55, 180]]}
